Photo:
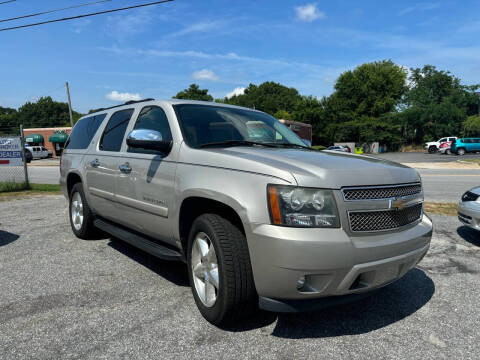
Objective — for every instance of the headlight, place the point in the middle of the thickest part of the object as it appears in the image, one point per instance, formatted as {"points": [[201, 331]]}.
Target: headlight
{"points": [[302, 207]]}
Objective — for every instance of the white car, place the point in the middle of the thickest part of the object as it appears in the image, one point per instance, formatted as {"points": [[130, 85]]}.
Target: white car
{"points": [[38, 152], [469, 208], [434, 146]]}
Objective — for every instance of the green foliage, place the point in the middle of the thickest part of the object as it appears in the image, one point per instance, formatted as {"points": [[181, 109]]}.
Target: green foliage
{"points": [[269, 97], [194, 93], [472, 126], [319, 147], [372, 89], [43, 113], [436, 105], [283, 114]]}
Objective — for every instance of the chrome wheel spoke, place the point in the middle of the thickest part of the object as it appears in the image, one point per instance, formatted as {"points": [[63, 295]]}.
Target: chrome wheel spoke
{"points": [[198, 271], [203, 262], [213, 278]]}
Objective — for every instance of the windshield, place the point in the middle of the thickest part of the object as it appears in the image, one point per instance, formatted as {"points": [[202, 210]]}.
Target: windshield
{"points": [[206, 125]]}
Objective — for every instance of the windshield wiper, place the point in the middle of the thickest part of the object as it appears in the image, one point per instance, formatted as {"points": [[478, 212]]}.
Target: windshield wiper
{"points": [[235, 143], [289, 145]]}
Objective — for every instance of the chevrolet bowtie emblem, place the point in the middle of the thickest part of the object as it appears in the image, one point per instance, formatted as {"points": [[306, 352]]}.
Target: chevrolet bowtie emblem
{"points": [[398, 203]]}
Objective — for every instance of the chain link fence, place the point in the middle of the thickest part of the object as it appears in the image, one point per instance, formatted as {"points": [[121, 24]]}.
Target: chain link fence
{"points": [[13, 171]]}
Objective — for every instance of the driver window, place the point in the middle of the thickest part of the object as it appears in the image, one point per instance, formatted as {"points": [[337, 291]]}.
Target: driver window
{"points": [[152, 118]]}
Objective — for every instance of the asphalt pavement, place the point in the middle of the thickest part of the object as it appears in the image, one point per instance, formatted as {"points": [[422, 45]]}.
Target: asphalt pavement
{"points": [[62, 297]]}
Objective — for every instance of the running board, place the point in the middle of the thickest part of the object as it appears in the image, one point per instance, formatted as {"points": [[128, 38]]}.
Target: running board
{"points": [[139, 241]]}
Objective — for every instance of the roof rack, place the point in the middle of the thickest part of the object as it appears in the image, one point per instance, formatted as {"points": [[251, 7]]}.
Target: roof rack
{"points": [[126, 103]]}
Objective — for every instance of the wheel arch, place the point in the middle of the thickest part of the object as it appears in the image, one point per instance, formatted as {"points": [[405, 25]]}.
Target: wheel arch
{"points": [[72, 179], [195, 205]]}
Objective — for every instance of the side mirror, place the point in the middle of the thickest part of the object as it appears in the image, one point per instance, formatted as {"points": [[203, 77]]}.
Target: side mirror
{"points": [[148, 139], [307, 142]]}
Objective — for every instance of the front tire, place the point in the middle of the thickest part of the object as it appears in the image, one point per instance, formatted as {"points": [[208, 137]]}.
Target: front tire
{"points": [[219, 270], [81, 217], [432, 149]]}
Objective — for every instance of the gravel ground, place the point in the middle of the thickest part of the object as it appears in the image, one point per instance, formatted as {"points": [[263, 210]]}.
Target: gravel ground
{"points": [[66, 298]]}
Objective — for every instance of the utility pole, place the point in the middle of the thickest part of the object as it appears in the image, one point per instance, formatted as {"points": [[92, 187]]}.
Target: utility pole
{"points": [[69, 104]]}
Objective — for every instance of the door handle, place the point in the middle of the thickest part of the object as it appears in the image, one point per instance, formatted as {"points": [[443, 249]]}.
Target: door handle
{"points": [[125, 168], [95, 163]]}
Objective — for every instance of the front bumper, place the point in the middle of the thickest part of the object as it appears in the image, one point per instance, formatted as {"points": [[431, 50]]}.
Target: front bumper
{"points": [[331, 262], [469, 214]]}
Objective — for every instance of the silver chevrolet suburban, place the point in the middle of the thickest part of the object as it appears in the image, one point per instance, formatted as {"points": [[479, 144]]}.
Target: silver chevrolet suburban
{"points": [[260, 219]]}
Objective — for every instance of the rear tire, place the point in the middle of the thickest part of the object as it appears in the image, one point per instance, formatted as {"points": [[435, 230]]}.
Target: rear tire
{"points": [[432, 149], [448, 152], [461, 151], [235, 296], [81, 217]]}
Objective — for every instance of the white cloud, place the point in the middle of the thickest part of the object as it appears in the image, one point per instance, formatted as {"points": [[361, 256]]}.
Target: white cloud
{"points": [[236, 91], [200, 27], [118, 96], [419, 7], [309, 12], [205, 74]]}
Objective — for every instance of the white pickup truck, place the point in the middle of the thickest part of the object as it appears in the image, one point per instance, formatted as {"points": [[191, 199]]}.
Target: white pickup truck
{"points": [[433, 146]]}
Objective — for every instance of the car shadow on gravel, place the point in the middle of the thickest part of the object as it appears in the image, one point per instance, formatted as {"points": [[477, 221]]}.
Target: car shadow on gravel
{"points": [[387, 306], [173, 271], [7, 237], [470, 235]]}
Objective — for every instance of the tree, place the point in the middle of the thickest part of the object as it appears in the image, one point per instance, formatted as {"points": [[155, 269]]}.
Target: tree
{"points": [[372, 89], [472, 126], [270, 97], [436, 105], [43, 113], [194, 93]]}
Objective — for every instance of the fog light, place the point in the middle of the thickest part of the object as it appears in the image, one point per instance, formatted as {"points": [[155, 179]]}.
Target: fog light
{"points": [[301, 283]]}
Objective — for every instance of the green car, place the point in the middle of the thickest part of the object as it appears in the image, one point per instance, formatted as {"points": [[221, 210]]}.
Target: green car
{"points": [[464, 145]]}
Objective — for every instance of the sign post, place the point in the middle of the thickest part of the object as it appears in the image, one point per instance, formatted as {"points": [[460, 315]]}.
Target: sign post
{"points": [[24, 158]]}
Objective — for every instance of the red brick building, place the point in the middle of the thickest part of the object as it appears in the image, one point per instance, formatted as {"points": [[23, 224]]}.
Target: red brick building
{"points": [[48, 137]]}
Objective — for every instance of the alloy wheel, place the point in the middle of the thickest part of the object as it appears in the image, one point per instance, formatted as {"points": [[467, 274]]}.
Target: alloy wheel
{"points": [[77, 211], [204, 265]]}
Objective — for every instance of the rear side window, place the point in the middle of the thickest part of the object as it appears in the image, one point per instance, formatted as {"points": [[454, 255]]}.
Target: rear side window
{"points": [[115, 131], [84, 131]]}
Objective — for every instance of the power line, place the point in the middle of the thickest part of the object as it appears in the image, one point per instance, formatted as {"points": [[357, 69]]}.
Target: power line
{"points": [[85, 15], [52, 11], [6, 2]]}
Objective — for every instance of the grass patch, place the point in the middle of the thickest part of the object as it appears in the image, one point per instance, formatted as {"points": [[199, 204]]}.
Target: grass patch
{"points": [[441, 208], [12, 190], [318, 147], [475, 161]]}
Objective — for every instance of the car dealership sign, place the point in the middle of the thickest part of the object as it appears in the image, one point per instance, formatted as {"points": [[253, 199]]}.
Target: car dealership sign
{"points": [[10, 151]]}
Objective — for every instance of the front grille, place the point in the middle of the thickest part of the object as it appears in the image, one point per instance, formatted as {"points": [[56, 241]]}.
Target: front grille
{"points": [[469, 196], [384, 219], [383, 192]]}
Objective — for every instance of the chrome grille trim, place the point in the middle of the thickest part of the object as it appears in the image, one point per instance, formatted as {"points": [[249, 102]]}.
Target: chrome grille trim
{"points": [[380, 192], [384, 219]]}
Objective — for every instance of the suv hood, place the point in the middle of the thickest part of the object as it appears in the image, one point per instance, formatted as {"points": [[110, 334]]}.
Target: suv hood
{"points": [[326, 169]]}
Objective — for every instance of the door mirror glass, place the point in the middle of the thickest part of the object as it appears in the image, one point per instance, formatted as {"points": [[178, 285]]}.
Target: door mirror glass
{"points": [[148, 139]]}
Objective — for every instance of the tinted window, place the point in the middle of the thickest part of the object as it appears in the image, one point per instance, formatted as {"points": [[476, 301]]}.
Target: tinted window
{"points": [[115, 131], [205, 124], [84, 131]]}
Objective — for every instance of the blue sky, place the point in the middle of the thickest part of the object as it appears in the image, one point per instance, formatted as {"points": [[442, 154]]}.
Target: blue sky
{"points": [[224, 45]]}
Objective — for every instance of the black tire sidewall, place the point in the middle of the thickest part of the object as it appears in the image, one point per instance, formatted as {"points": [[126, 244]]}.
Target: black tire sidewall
{"points": [[215, 313]]}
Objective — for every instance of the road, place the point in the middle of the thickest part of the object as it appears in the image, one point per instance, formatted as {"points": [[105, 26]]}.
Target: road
{"points": [[66, 298]]}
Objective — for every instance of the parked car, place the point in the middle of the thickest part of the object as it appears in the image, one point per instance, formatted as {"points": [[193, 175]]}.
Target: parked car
{"points": [[46, 153], [266, 223], [465, 145], [445, 147], [341, 148], [469, 208], [434, 146], [36, 151]]}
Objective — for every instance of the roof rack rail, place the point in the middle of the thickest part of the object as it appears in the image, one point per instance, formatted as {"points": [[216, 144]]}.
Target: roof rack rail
{"points": [[126, 103]]}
